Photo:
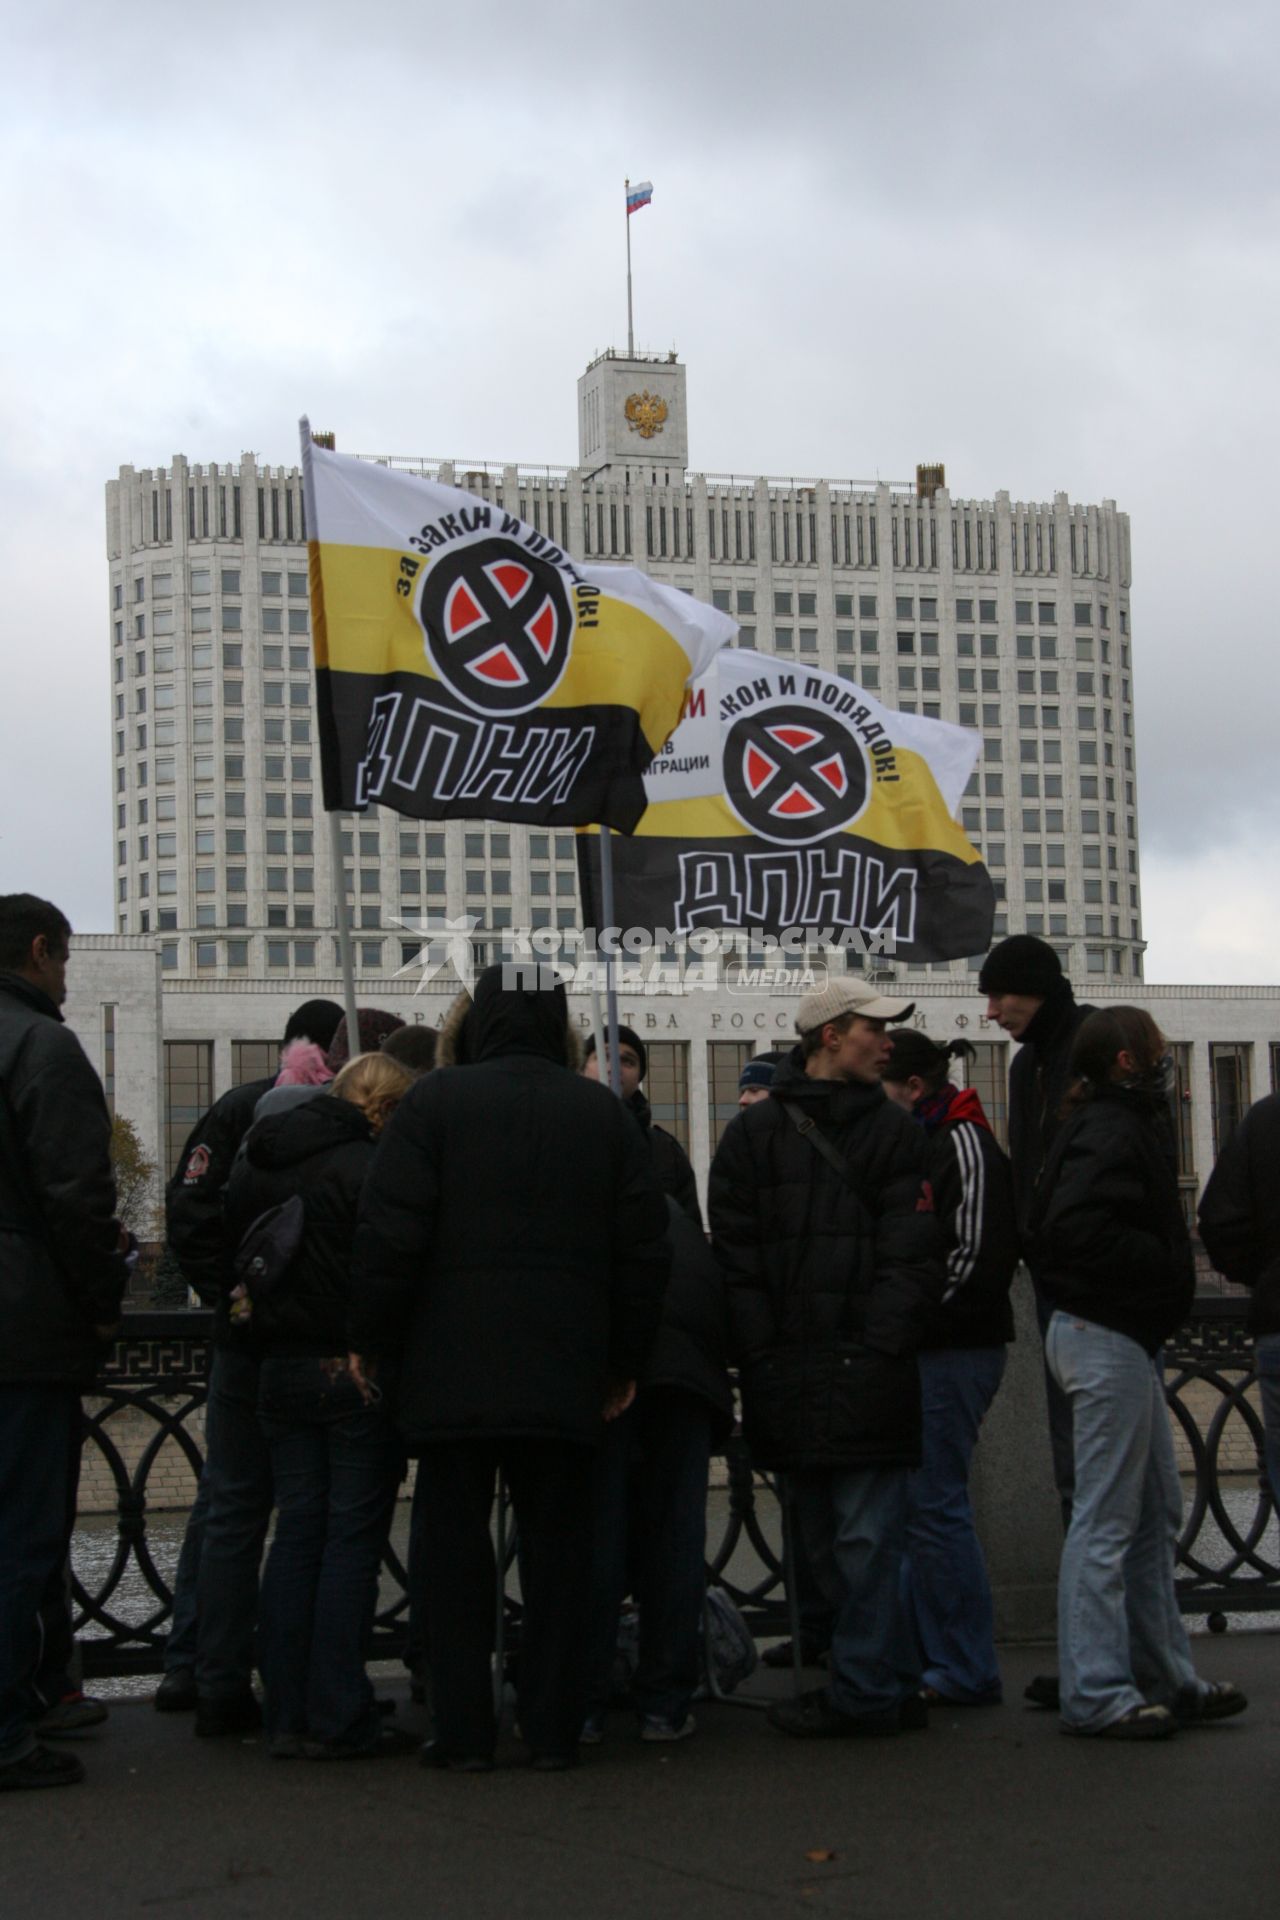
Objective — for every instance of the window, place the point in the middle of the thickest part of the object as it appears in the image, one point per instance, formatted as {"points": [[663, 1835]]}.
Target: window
{"points": [[1229, 1078], [667, 1086], [988, 1074], [272, 622], [725, 1061], [230, 619], [188, 1078], [297, 619], [1048, 613], [297, 586], [270, 585]]}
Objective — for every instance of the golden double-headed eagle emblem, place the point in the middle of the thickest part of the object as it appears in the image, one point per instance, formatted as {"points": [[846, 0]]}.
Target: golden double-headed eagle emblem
{"points": [[645, 413]]}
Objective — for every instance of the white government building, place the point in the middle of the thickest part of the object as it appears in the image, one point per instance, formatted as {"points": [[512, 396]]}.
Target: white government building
{"points": [[1009, 618]]}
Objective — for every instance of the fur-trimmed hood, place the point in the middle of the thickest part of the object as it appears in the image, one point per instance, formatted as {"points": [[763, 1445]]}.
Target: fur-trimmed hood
{"points": [[454, 1043]]}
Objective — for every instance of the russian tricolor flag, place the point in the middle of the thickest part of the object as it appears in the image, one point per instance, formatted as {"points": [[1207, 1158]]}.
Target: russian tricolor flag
{"points": [[639, 196]]}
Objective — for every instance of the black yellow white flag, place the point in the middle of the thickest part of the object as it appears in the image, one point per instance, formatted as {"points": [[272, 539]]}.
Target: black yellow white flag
{"points": [[789, 799], [467, 667]]}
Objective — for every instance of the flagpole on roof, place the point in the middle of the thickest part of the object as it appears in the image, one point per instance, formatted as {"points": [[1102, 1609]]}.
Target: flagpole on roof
{"points": [[631, 334]]}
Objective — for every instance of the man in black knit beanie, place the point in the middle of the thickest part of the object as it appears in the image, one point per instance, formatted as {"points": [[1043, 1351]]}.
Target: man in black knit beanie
{"points": [[1030, 998]]}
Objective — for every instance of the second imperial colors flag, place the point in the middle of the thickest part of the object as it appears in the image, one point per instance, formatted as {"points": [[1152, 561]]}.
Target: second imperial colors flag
{"points": [[789, 799], [466, 667]]}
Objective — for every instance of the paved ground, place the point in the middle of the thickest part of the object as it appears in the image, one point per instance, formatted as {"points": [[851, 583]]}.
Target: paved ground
{"points": [[991, 1813]]}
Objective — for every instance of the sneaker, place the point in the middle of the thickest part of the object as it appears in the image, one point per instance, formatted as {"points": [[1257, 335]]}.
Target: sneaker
{"points": [[657, 1726], [177, 1692], [1213, 1700], [814, 1716], [781, 1654], [592, 1730], [240, 1713], [41, 1768], [74, 1713], [1140, 1723]]}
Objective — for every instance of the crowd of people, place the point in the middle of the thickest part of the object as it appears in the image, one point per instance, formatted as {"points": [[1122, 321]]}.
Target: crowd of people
{"points": [[467, 1253]]}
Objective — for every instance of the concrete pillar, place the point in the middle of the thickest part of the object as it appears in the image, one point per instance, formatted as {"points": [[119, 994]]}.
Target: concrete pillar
{"points": [[1015, 1502]]}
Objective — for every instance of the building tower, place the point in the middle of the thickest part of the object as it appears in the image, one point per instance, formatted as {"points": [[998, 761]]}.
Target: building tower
{"points": [[1006, 617]]}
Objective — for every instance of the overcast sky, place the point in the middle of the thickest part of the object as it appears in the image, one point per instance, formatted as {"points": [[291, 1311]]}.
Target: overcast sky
{"points": [[1039, 244]]}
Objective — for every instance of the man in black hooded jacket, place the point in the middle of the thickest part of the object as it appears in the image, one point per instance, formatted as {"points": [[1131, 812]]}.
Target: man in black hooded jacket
{"points": [[511, 1258]]}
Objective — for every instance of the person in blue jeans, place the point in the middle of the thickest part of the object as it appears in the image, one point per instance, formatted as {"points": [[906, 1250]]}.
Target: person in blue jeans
{"points": [[1240, 1227], [823, 1222], [651, 1499], [334, 1457], [961, 1361], [1114, 1256]]}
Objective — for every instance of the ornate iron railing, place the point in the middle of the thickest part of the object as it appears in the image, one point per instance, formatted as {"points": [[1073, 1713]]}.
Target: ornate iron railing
{"points": [[157, 1369]]}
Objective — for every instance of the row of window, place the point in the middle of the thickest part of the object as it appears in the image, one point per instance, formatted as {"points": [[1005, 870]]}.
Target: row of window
{"points": [[200, 581]]}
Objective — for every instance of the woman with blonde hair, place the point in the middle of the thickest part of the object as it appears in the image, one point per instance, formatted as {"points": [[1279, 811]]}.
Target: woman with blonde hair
{"points": [[335, 1458], [1113, 1254]]}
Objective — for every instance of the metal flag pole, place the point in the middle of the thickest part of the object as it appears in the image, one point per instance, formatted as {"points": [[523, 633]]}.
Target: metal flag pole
{"points": [[344, 938], [610, 989], [631, 333]]}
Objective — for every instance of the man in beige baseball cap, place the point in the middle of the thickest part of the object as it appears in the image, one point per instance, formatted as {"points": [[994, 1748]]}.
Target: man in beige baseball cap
{"points": [[822, 1220]]}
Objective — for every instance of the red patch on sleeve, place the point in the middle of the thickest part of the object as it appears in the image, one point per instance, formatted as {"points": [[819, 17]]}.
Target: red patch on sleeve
{"points": [[925, 1203], [197, 1166]]}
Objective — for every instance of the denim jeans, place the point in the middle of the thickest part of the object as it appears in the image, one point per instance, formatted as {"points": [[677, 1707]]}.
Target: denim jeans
{"points": [[237, 1468], [853, 1526], [948, 1593], [40, 1430], [336, 1466], [651, 1536], [180, 1646], [1120, 1634], [1266, 1353]]}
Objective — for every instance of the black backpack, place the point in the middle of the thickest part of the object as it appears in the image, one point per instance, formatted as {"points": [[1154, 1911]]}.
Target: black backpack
{"points": [[264, 1257]]}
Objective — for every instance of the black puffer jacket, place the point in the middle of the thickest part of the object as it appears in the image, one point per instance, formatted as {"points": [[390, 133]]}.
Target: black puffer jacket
{"points": [[1240, 1212], [1039, 1081], [1109, 1240], [61, 1269], [320, 1150], [670, 1161], [512, 1240], [193, 1198], [689, 1352], [830, 1279]]}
